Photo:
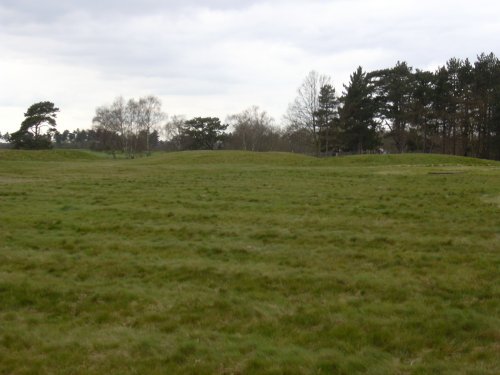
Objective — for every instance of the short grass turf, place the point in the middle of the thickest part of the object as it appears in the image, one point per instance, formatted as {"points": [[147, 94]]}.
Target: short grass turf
{"points": [[242, 263]]}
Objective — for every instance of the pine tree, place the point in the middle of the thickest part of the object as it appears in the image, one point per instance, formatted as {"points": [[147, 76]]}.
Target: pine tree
{"points": [[466, 79], [357, 115], [327, 119], [38, 116], [487, 87], [393, 90], [423, 89]]}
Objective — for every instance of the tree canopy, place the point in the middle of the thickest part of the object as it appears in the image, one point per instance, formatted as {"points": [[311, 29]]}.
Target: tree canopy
{"points": [[205, 133], [38, 116]]}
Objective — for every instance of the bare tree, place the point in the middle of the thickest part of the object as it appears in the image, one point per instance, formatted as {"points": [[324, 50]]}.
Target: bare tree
{"points": [[174, 129], [149, 116], [302, 112], [133, 121], [133, 126], [253, 129], [113, 119]]}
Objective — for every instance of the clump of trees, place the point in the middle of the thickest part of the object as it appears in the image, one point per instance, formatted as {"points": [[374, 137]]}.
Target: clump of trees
{"points": [[204, 133], [130, 127], [199, 133], [314, 114], [250, 130], [254, 130], [454, 110], [37, 128]]}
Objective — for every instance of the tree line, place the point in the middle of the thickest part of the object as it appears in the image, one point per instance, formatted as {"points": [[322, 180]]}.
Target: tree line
{"points": [[453, 110]]}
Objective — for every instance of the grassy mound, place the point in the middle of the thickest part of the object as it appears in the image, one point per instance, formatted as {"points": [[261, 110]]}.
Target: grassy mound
{"points": [[270, 159], [276, 159], [409, 159], [231, 157], [49, 155]]}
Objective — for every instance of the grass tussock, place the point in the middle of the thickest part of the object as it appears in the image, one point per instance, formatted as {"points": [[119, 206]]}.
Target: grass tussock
{"points": [[243, 263]]}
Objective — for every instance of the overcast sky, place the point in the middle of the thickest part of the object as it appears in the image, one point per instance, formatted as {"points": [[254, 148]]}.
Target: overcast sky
{"points": [[215, 58]]}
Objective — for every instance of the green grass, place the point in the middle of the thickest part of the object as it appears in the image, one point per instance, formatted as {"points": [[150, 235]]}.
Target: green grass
{"points": [[49, 155], [242, 263]]}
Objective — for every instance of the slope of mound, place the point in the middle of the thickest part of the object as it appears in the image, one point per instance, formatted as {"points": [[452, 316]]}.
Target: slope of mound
{"points": [[232, 157], [298, 160], [48, 155], [274, 159], [408, 159]]}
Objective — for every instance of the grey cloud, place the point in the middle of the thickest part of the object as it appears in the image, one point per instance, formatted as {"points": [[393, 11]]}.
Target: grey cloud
{"points": [[50, 10], [207, 48]]}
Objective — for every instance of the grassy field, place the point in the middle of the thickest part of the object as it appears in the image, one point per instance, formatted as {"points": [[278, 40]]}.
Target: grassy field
{"points": [[242, 263]]}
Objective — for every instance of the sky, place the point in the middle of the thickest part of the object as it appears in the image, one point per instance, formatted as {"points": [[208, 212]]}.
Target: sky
{"points": [[217, 58]]}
